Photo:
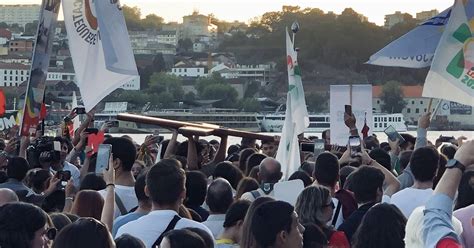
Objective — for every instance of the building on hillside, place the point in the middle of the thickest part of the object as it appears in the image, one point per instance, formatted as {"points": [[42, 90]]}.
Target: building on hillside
{"points": [[20, 14], [189, 71], [21, 45], [196, 25], [260, 73], [168, 37], [425, 15], [393, 19], [5, 33], [13, 74]]}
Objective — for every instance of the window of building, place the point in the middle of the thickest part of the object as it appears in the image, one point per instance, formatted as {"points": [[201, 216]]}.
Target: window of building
{"points": [[421, 102], [185, 70], [417, 110], [412, 102], [179, 70], [11, 78], [375, 125], [378, 101], [16, 78], [408, 110], [425, 110], [4, 77]]}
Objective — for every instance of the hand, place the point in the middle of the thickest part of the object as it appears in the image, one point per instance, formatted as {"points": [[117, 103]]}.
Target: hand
{"points": [[394, 146], [12, 145], [53, 185], [465, 154], [109, 175], [82, 141], [366, 159], [70, 190], [460, 140], [424, 120], [350, 120]]}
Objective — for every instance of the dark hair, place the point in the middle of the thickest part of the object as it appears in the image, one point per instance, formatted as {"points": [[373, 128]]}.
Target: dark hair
{"points": [[18, 223], [219, 196], [72, 217], [85, 232], [54, 202], [128, 241], [248, 239], [308, 167], [371, 143], [243, 156], [139, 187], [228, 171], [17, 167], [465, 190], [365, 182], [65, 141], [165, 181], [236, 212], [325, 133], [253, 161], [247, 184], [59, 220], [385, 146], [182, 148], [382, 226], [92, 181], [123, 149], [441, 169], [314, 237], [36, 179], [424, 163], [233, 149], [88, 203], [302, 176], [269, 219], [344, 174], [184, 238], [326, 169], [408, 139], [405, 157], [382, 157], [448, 150], [3, 176], [196, 188], [208, 239]]}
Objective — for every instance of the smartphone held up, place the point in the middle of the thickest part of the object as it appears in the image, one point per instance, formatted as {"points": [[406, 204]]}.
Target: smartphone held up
{"points": [[103, 155], [355, 146]]}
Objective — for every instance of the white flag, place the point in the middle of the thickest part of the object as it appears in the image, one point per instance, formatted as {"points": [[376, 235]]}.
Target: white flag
{"points": [[295, 89], [76, 122], [100, 48], [288, 153], [451, 76]]}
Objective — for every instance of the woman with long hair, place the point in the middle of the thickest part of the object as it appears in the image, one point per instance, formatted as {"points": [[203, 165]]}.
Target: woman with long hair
{"points": [[85, 232], [248, 240], [88, 203]]}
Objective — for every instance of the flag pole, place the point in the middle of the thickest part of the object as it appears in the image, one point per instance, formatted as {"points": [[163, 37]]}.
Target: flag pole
{"points": [[295, 27]]}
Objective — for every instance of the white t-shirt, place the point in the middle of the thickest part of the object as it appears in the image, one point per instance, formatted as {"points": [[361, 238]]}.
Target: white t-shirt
{"points": [[75, 173], [149, 227], [340, 217], [410, 198], [215, 223], [126, 194]]}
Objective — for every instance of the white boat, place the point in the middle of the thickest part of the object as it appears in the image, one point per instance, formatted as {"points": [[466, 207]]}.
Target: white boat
{"points": [[320, 122]]}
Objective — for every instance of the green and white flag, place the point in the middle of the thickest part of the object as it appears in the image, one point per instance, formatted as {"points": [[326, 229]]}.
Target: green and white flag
{"points": [[451, 76], [296, 116]]}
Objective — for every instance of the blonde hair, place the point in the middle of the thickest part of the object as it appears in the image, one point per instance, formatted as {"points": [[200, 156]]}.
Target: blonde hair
{"points": [[309, 204]]}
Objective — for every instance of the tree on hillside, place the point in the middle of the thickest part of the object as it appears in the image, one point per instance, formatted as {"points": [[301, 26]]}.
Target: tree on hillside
{"points": [[316, 103], [132, 17], [185, 44], [163, 82], [215, 88], [30, 28], [152, 22], [392, 98]]}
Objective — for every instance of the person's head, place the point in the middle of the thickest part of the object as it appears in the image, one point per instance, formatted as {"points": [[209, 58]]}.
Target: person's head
{"points": [[88, 203], [182, 238], [137, 167], [409, 143], [139, 188], [449, 151], [165, 184], [414, 228], [233, 149], [248, 143], [128, 241], [405, 157], [326, 169], [269, 171], [66, 147], [465, 190], [314, 205], [382, 157], [307, 167], [344, 174], [275, 224], [254, 160], [243, 156], [424, 163], [234, 219], [24, 225], [219, 196], [326, 135], [254, 174], [92, 181], [314, 237], [366, 183], [248, 239], [7, 196], [59, 220], [269, 148], [38, 179], [196, 188], [301, 176], [371, 142], [85, 232], [17, 168], [382, 226], [228, 171], [247, 184], [208, 239], [124, 153]]}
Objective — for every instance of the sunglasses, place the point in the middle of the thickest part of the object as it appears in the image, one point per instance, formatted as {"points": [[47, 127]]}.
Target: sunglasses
{"points": [[330, 205]]}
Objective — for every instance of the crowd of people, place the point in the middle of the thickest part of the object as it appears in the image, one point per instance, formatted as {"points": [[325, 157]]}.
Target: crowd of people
{"points": [[210, 194]]}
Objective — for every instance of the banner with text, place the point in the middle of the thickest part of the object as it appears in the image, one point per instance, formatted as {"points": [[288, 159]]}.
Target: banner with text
{"points": [[340, 95], [39, 67]]}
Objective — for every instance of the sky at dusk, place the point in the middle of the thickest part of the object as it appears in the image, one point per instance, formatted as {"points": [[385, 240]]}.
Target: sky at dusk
{"points": [[245, 10]]}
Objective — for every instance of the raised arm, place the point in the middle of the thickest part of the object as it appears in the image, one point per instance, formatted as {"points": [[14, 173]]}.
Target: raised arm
{"points": [[192, 156], [171, 145], [423, 124], [108, 210], [393, 185]]}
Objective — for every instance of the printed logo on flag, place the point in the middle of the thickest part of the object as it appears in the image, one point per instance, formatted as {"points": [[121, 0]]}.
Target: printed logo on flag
{"points": [[85, 22], [463, 60]]}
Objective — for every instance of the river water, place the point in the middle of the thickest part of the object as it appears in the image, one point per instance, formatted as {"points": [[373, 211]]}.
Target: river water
{"points": [[432, 136]]}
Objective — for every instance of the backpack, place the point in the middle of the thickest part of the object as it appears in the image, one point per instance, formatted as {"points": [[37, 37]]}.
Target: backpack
{"points": [[346, 202]]}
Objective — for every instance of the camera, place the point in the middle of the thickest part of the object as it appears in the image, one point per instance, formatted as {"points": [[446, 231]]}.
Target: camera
{"points": [[43, 151], [63, 175]]}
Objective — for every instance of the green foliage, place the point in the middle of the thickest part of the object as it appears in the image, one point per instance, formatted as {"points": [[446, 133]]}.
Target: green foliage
{"points": [[153, 22], [166, 83], [215, 88], [250, 105], [136, 23], [392, 98], [316, 103], [30, 28]]}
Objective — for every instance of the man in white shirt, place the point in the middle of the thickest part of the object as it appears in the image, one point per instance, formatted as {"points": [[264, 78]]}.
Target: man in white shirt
{"points": [[424, 165], [124, 153], [165, 185], [269, 174], [219, 198]]}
